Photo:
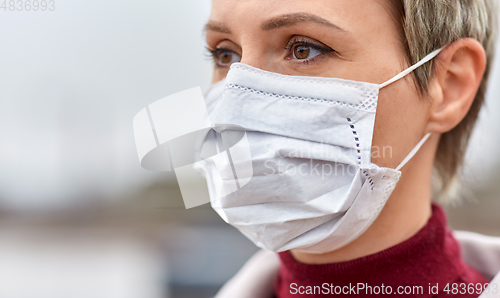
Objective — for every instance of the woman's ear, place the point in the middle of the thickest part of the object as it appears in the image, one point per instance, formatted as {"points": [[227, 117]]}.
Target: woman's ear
{"points": [[456, 79]]}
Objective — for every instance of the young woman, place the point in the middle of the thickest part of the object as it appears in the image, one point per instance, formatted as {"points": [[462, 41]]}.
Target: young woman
{"points": [[343, 141]]}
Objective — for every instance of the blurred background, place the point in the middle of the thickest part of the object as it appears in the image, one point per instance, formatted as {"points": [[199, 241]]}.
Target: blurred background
{"points": [[79, 217]]}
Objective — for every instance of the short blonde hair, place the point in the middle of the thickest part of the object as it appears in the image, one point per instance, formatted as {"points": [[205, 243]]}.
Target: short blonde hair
{"points": [[427, 25]]}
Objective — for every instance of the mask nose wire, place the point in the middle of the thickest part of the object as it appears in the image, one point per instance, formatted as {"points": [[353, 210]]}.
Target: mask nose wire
{"points": [[410, 69]]}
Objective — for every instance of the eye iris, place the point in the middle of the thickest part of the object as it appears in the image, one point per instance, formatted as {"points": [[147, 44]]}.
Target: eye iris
{"points": [[301, 52], [226, 57]]}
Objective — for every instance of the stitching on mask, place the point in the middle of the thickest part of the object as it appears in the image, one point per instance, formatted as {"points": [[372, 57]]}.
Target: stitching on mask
{"points": [[358, 150], [391, 184], [232, 86], [370, 101], [370, 179], [356, 139], [363, 105]]}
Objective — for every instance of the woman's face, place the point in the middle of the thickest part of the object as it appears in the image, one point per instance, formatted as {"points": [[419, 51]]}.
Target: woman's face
{"points": [[348, 39]]}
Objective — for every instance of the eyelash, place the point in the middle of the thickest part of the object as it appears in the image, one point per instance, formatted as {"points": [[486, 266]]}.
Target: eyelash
{"points": [[210, 53]]}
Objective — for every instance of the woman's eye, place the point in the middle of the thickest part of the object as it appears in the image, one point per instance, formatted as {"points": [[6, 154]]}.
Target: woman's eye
{"points": [[226, 58], [302, 52], [305, 50]]}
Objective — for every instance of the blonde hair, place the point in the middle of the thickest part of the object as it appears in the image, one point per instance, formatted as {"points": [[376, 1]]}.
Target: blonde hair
{"points": [[427, 25]]}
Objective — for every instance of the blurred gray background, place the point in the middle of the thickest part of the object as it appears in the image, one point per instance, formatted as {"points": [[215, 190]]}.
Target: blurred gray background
{"points": [[79, 217]]}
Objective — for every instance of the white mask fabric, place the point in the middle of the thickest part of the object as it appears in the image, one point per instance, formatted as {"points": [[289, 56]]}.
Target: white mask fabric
{"points": [[312, 187]]}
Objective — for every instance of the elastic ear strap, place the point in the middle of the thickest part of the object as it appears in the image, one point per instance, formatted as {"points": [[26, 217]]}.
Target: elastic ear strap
{"points": [[412, 68], [413, 152]]}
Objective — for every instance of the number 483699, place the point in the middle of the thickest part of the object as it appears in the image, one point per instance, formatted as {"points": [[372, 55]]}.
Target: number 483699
{"points": [[28, 5]]}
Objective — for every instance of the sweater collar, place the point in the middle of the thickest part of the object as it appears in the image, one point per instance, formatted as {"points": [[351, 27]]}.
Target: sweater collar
{"points": [[432, 249]]}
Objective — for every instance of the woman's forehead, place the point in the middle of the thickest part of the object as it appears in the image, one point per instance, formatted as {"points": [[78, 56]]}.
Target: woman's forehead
{"points": [[348, 15]]}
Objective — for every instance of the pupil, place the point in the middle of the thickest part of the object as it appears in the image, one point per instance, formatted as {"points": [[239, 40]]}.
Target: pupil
{"points": [[301, 52]]}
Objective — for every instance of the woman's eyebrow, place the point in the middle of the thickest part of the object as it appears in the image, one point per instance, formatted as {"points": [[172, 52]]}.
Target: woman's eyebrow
{"points": [[217, 27], [277, 22], [295, 18]]}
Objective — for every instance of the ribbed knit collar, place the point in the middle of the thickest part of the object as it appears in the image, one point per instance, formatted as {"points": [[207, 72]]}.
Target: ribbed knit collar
{"points": [[430, 256]]}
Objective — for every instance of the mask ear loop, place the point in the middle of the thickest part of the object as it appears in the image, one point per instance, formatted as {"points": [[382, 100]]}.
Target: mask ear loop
{"points": [[399, 77], [413, 152], [411, 69]]}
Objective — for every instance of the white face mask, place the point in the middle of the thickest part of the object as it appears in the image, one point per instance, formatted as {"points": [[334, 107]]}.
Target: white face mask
{"points": [[312, 187]]}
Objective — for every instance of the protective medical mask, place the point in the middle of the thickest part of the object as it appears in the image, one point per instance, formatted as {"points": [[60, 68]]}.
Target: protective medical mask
{"points": [[299, 176]]}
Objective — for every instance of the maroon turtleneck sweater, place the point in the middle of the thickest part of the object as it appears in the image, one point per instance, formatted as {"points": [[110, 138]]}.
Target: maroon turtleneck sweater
{"points": [[412, 268]]}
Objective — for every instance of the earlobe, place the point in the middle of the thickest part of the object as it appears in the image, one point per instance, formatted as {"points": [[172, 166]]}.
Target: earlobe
{"points": [[457, 76]]}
